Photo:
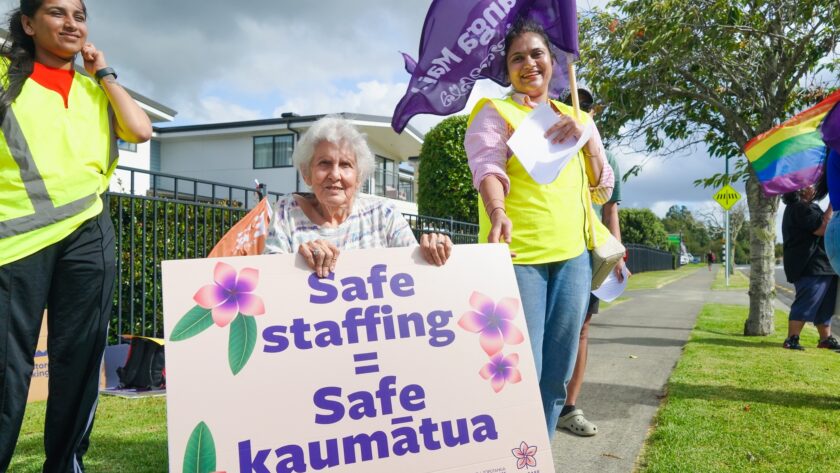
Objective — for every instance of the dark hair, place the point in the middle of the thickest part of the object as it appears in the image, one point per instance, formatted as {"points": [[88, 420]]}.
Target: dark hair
{"points": [[20, 51], [526, 25], [585, 99], [790, 197]]}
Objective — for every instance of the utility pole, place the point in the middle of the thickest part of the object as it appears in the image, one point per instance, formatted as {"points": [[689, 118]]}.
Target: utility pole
{"points": [[726, 261]]}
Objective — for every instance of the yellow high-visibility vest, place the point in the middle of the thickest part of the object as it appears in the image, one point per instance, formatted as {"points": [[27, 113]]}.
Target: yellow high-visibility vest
{"points": [[550, 221], [55, 163]]}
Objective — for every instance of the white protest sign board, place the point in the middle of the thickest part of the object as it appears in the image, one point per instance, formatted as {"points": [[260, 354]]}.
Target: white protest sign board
{"points": [[391, 364]]}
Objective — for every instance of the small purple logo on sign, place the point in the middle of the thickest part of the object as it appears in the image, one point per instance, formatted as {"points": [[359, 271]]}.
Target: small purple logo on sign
{"points": [[525, 456]]}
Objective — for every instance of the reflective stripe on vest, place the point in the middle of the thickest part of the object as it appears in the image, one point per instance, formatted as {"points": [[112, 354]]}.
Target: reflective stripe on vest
{"points": [[45, 212], [113, 152]]}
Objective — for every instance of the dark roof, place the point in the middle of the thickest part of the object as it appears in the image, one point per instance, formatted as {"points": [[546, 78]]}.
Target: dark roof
{"points": [[142, 98], [290, 120]]}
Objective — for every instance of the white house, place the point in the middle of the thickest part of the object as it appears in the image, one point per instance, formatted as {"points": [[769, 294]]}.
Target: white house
{"points": [[237, 153]]}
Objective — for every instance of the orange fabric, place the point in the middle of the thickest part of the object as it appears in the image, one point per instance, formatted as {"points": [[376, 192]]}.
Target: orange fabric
{"points": [[58, 80], [247, 237]]}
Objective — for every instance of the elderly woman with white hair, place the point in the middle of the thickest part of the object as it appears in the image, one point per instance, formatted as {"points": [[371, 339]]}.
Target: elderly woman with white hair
{"points": [[334, 160]]}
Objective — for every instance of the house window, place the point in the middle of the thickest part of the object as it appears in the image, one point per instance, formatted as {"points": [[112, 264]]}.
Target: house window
{"points": [[273, 151], [386, 177], [126, 146]]}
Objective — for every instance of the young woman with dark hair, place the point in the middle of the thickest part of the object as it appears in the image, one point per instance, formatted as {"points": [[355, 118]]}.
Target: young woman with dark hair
{"points": [[57, 153], [544, 224]]}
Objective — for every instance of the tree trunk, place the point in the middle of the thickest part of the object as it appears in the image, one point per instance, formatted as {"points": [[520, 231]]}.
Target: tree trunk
{"points": [[762, 258]]}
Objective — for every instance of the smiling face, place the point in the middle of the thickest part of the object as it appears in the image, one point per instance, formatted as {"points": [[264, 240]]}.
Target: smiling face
{"points": [[58, 28], [529, 66], [333, 175]]}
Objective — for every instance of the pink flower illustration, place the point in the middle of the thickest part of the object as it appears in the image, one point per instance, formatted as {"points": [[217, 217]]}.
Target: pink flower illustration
{"points": [[500, 370], [525, 456], [493, 322], [230, 295]]}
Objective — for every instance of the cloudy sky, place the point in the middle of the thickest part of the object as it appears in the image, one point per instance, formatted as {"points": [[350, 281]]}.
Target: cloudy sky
{"points": [[228, 61]]}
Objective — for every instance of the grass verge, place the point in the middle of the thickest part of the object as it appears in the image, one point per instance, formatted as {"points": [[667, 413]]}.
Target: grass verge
{"points": [[743, 404], [657, 279], [129, 436], [738, 281]]}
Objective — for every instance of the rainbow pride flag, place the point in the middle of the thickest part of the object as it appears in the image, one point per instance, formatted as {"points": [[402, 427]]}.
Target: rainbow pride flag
{"points": [[792, 155]]}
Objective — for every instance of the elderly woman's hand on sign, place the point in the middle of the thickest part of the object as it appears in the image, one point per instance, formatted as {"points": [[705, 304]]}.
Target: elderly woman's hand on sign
{"points": [[320, 256], [436, 248]]}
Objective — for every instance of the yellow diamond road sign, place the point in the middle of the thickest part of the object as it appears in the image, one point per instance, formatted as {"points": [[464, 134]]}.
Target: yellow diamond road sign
{"points": [[727, 197]]}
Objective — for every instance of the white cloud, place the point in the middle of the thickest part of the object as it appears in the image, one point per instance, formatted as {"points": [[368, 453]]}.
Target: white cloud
{"points": [[369, 97], [215, 109]]}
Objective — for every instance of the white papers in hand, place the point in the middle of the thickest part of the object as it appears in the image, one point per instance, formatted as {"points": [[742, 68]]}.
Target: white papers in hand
{"points": [[539, 156], [610, 289]]}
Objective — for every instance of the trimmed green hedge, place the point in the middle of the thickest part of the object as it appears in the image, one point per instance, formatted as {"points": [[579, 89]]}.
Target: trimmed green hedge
{"points": [[445, 187]]}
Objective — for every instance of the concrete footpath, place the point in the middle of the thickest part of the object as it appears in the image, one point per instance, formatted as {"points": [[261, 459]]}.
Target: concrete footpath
{"points": [[633, 347]]}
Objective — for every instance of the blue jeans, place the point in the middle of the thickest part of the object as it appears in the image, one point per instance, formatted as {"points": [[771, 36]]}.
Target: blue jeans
{"points": [[832, 241], [554, 299]]}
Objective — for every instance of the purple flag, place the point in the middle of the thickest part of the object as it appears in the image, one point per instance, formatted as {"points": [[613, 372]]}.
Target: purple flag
{"points": [[464, 41]]}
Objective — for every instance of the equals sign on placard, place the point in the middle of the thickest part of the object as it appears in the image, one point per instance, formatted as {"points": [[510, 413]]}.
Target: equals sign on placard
{"points": [[366, 362]]}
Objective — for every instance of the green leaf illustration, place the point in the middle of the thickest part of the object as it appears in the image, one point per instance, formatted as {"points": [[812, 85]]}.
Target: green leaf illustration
{"points": [[200, 456], [197, 320], [243, 339]]}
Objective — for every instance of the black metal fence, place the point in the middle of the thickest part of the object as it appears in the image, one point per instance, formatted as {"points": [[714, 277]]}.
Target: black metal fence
{"points": [[644, 258], [460, 232]]}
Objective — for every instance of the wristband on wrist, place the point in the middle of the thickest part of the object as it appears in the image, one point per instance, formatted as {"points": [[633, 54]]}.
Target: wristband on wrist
{"points": [[105, 71], [490, 214], [488, 206]]}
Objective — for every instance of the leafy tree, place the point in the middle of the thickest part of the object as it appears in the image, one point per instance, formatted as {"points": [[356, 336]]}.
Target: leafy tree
{"points": [[676, 73], [642, 227], [445, 182], [679, 219]]}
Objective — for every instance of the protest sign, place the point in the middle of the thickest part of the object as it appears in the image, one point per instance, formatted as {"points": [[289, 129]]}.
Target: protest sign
{"points": [[390, 364]]}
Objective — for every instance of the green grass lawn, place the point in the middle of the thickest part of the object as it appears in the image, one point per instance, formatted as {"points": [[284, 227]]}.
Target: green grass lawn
{"points": [[657, 279], [743, 404], [737, 281], [129, 436]]}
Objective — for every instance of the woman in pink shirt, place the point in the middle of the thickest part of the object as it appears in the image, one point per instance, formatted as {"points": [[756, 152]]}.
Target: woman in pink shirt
{"points": [[544, 224]]}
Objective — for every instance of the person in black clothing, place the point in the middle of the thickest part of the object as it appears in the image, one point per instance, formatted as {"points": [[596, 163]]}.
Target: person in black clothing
{"points": [[807, 266]]}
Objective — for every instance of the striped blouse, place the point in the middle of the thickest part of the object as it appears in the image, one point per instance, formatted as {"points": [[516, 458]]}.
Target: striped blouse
{"points": [[487, 151], [373, 223]]}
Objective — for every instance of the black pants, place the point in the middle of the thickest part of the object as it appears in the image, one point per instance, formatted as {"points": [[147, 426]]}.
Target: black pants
{"points": [[74, 279]]}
